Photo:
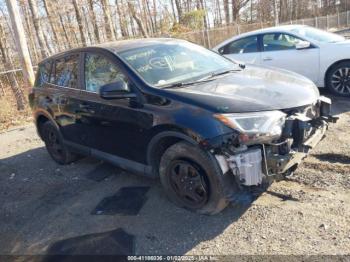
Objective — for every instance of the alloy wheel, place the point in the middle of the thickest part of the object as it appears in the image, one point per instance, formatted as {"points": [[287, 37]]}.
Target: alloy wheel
{"points": [[189, 183], [340, 80]]}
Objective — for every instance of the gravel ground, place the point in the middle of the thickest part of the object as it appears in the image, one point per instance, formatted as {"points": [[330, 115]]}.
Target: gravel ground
{"points": [[43, 203]]}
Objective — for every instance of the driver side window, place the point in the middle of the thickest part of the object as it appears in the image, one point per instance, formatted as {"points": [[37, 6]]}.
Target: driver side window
{"points": [[279, 41], [100, 71]]}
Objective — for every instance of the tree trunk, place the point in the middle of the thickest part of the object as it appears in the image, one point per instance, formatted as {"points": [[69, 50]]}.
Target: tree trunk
{"points": [[94, 21], [148, 13], [65, 31], [155, 15], [51, 16], [179, 9], [39, 34], [121, 20], [80, 22], [108, 20], [29, 33], [21, 43], [86, 15], [227, 12], [275, 8], [173, 9], [137, 19]]}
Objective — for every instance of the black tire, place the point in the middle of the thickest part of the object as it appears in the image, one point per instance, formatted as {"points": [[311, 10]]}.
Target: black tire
{"points": [[54, 144], [338, 79], [205, 194]]}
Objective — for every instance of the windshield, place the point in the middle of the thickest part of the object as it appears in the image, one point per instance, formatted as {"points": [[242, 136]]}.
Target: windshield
{"points": [[318, 35], [174, 62]]}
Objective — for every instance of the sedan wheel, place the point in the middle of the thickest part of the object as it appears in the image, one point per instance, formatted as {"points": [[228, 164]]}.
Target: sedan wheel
{"points": [[339, 80]]}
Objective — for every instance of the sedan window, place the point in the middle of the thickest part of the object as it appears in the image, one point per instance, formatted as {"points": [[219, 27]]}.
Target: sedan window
{"points": [[279, 41], [241, 46], [100, 71], [66, 72]]}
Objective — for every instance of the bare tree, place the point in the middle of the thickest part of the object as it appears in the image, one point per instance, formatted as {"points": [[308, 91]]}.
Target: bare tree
{"points": [[227, 12], [80, 22], [178, 8], [137, 19], [36, 22], [108, 20], [51, 16], [94, 21], [121, 18]]}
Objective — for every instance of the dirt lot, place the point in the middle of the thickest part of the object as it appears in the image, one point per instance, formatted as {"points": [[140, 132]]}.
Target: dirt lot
{"points": [[48, 209]]}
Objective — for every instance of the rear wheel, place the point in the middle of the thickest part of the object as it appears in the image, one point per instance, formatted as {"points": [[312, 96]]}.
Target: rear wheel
{"points": [[338, 79], [54, 144], [190, 179]]}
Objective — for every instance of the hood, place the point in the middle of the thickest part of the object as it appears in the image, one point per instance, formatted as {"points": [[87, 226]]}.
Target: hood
{"points": [[252, 89]]}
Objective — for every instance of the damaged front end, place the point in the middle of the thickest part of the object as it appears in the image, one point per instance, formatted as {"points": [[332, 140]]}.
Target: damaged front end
{"points": [[269, 145]]}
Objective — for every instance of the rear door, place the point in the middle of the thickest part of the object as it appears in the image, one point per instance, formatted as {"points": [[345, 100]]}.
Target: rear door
{"points": [[279, 50], [244, 49], [65, 98]]}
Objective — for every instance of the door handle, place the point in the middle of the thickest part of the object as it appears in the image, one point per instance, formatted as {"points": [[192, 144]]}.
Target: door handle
{"points": [[86, 108], [267, 58]]}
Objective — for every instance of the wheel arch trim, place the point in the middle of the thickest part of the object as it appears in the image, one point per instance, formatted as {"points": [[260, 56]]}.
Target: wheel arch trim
{"points": [[42, 113], [166, 134]]}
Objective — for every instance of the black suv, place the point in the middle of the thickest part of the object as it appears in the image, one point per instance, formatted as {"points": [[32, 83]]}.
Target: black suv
{"points": [[210, 128]]}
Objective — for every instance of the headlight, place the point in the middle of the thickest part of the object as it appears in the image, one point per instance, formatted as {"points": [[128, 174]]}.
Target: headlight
{"points": [[256, 127]]}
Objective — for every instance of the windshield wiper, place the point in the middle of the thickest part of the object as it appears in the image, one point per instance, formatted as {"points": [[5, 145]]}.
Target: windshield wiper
{"points": [[208, 78], [225, 72], [183, 84]]}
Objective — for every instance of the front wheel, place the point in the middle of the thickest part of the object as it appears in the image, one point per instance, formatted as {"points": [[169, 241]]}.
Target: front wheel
{"points": [[190, 179], [338, 79]]}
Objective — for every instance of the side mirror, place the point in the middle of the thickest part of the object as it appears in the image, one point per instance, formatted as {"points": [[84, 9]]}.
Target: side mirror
{"points": [[116, 90], [302, 45]]}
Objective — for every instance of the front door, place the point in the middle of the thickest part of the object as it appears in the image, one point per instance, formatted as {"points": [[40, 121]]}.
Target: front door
{"points": [[111, 126], [279, 50]]}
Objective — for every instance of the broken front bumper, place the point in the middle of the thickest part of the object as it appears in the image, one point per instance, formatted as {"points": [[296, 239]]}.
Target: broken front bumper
{"points": [[303, 131]]}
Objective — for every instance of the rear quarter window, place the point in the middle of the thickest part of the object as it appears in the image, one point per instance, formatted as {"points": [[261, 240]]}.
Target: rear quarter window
{"points": [[43, 75]]}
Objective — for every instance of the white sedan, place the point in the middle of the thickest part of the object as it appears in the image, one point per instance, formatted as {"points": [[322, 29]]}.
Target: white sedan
{"points": [[321, 56]]}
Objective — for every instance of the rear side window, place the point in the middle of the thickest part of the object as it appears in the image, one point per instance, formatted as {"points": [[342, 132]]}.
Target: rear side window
{"points": [[43, 74], [242, 46], [66, 71]]}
